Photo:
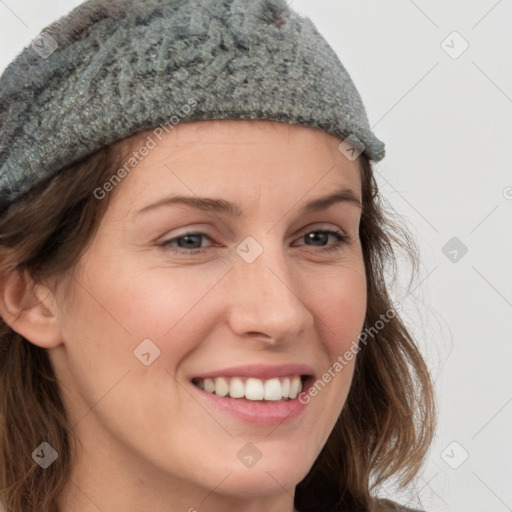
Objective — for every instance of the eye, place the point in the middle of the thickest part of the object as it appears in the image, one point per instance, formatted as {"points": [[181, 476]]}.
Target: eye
{"points": [[320, 238], [189, 243]]}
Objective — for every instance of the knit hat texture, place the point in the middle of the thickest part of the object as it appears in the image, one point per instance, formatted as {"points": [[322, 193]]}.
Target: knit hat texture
{"points": [[112, 68]]}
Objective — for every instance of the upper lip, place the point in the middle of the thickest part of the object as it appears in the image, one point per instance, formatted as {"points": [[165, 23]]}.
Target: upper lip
{"points": [[259, 371]]}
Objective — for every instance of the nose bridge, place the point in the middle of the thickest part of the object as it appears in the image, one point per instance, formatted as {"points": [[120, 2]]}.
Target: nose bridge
{"points": [[266, 298]]}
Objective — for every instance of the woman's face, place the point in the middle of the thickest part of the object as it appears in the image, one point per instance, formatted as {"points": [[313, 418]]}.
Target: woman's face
{"points": [[221, 261]]}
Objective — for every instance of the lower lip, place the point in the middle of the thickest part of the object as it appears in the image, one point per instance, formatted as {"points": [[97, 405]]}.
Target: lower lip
{"points": [[255, 413]]}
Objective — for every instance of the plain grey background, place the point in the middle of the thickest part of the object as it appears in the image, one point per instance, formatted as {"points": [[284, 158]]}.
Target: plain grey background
{"points": [[436, 80]]}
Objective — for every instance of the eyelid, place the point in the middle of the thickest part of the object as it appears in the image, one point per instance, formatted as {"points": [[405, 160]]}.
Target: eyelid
{"points": [[321, 226], [315, 226]]}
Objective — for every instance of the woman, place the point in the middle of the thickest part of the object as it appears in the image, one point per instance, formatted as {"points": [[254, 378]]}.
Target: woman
{"points": [[193, 247]]}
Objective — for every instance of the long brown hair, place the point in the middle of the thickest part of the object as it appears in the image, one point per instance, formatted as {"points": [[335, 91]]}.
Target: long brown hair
{"points": [[385, 427]]}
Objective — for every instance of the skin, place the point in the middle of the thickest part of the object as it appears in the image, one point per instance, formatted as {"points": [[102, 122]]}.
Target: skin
{"points": [[146, 443]]}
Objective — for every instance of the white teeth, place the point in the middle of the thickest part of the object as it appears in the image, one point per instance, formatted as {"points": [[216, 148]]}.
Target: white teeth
{"points": [[209, 385], [295, 387], [221, 386], [286, 387], [236, 388], [274, 389], [254, 389]]}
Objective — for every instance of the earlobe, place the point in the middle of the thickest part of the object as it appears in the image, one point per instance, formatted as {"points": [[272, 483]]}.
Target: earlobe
{"points": [[28, 308]]}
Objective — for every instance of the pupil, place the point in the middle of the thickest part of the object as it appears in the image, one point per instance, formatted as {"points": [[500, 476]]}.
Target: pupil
{"points": [[188, 241], [317, 236]]}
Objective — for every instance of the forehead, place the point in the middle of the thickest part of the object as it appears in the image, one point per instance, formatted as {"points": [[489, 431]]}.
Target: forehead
{"points": [[234, 159]]}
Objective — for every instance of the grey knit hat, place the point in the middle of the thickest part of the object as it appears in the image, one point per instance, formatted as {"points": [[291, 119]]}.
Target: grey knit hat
{"points": [[112, 68]]}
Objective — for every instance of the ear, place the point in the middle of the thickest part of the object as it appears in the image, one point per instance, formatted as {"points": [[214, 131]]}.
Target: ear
{"points": [[29, 309]]}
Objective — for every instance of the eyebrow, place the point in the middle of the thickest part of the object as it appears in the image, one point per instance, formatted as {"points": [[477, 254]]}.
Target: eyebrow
{"points": [[213, 205]]}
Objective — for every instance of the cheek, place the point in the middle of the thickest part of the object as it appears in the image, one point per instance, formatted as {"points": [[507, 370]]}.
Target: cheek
{"points": [[340, 309], [339, 303], [106, 332], [115, 314]]}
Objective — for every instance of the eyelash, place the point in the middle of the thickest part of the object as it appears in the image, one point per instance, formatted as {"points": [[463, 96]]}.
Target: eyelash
{"points": [[341, 239]]}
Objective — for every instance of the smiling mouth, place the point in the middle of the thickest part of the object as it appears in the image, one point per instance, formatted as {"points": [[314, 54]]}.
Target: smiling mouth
{"points": [[276, 389]]}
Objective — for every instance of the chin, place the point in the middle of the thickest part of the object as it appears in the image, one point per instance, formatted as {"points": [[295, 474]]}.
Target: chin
{"points": [[266, 477]]}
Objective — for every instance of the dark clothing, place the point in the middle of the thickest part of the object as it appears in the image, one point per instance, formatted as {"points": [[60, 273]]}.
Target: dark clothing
{"points": [[391, 506], [385, 505]]}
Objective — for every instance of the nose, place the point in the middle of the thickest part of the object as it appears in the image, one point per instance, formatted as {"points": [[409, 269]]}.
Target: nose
{"points": [[266, 300]]}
